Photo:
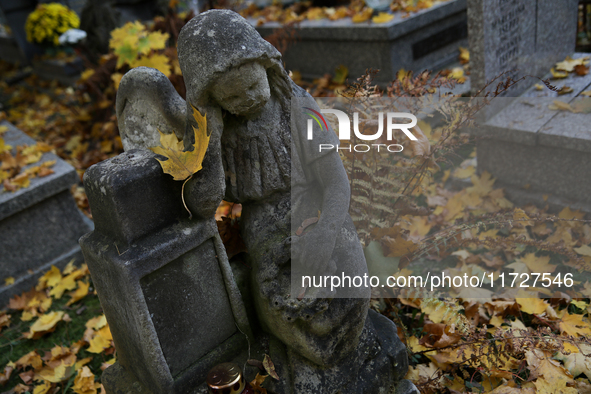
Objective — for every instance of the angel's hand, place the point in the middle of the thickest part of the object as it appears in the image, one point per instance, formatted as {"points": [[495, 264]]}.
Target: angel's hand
{"points": [[311, 252]]}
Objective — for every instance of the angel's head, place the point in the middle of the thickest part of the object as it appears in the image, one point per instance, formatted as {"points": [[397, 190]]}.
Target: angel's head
{"points": [[243, 90], [226, 62]]}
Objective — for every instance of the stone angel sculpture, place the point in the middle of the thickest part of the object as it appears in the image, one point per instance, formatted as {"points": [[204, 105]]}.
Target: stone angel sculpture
{"points": [[258, 156]]}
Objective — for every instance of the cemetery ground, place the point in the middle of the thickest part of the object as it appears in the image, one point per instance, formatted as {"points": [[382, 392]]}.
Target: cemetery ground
{"points": [[55, 339]]}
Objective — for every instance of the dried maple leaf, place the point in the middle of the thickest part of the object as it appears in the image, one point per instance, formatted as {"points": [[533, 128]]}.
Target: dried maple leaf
{"points": [[256, 384], [4, 147], [270, 367], [382, 17], [533, 306], [84, 382], [159, 62], [43, 388], [575, 326], [57, 374], [362, 16], [80, 293], [577, 362], [31, 359], [558, 74], [101, 341], [569, 64], [67, 283], [50, 278], [182, 165], [5, 376], [46, 323], [464, 55], [581, 69]]}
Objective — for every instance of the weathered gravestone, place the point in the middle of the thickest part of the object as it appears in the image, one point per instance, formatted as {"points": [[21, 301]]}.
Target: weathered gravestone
{"points": [[521, 37], [425, 40], [537, 154], [149, 263], [164, 283], [40, 224]]}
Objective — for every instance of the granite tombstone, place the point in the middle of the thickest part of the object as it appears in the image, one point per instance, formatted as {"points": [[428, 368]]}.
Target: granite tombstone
{"points": [[518, 37], [39, 224]]}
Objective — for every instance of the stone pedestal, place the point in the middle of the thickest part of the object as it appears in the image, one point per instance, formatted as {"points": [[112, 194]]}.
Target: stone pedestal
{"points": [[164, 281], [39, 225], [426, 40]]}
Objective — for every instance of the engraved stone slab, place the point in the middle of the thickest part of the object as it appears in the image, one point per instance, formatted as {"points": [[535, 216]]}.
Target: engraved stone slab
{"points": [[521, 37]]}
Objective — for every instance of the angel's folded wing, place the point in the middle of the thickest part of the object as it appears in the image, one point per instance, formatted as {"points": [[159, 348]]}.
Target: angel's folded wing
{"points": [[147, 102]]}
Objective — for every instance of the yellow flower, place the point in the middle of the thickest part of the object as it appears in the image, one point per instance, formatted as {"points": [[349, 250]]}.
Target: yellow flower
{"points": [[48, 22]]}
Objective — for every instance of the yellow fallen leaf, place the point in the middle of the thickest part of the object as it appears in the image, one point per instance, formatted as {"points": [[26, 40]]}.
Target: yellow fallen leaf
{"points": [[28, 316], [538, 264], [464, 55], [84, 382], [382, 17], [58, 374], [559, 105], [584, 250], [43, 388], [69, 268], [576, 362], [157, 61], [558, 74], [9, 281], [101, 341], [362, 16], [533, 306], [574, 325], [67, 283], [586, 93], [46, 323], [80, 293], [31, 359], [520, 214], [464, 172], [315, 13], [457, 73], [579, 304], [96, 323], [50, 278], [89, 72], [483, 185], [181, 165], [80, 363], [22, 180], [569, 64], [568, 214], [4, 147]]}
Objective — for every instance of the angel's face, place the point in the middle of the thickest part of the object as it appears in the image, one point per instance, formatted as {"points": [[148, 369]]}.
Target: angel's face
{"points": [[243, 90]]}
